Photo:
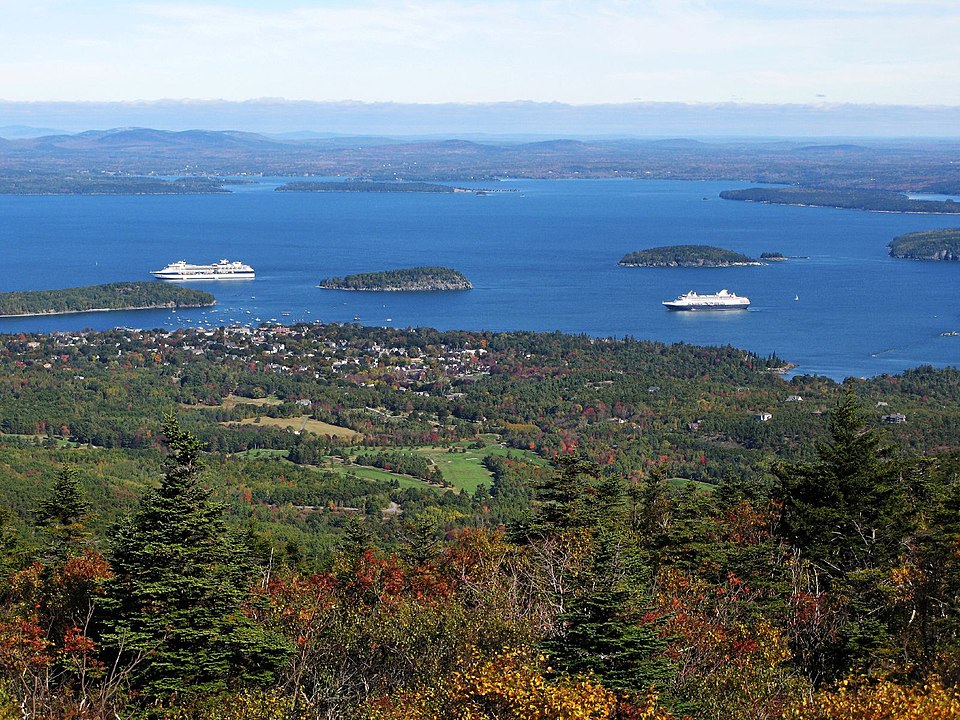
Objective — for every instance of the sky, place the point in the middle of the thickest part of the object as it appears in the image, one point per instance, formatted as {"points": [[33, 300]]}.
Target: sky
{"points": [[900, 52]]}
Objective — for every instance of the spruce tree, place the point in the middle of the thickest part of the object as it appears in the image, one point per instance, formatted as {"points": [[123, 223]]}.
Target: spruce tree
{"points": [[176, 603], [847, 514], [846, 510], [62, 517], [601, 630]]}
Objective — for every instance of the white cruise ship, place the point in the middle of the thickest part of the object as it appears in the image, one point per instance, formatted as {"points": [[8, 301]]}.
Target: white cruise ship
{"points": [[723, 300], [222, 270]]}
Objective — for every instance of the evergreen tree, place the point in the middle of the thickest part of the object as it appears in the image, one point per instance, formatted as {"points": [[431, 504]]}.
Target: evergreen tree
{"points": [[178, 595], [846, 510], [563, 499], [62, 517], [10, 549], [847, 514], [601, 630]]}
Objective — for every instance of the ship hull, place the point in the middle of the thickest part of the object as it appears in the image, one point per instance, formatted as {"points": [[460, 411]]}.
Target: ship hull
{"points": [[175, 277], [182, 271], [701, 308], [723, 300]]}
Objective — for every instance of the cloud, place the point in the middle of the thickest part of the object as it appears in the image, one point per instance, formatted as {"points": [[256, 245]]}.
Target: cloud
{"points": [[891, 51]]}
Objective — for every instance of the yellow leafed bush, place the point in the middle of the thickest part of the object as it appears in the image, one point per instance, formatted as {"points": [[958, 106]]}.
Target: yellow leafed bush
{"points": [[884, 700], [510, 685]]}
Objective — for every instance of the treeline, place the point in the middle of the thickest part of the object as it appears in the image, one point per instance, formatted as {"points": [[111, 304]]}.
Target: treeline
{"points": [[417, 278], [928, 245], [849, 198], [111, 296]]}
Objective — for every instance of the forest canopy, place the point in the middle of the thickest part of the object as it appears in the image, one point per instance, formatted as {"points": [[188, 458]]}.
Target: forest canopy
{"points": [[928, 245], [111, 296], [416, 278], [686, 256]]}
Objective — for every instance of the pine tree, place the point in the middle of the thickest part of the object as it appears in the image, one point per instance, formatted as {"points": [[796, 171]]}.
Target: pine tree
{"points": [[601, 630], [847, 514], [178, 595], [62, 517], [845, 511]]}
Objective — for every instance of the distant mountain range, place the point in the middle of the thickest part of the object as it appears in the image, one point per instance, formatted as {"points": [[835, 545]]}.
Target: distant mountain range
{"points": [[515, 120], [903, 165], [25, 131]]}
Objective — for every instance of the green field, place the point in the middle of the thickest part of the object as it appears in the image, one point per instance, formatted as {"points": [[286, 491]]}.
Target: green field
{"points": [[372, 473], [679, 482], [463, 470]]}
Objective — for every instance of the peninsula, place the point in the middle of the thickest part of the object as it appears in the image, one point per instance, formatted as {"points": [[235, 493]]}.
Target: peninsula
{"points": [[703, 256], [843, 198], [101, 298], [928, 245], [419, 279]]}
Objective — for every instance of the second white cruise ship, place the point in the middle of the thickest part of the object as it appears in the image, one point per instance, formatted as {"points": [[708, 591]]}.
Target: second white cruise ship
{"points": [[222, 270], [723, 300]]}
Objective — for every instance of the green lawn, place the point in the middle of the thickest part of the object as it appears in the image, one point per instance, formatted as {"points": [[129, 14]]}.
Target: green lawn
{"points": [[372, 473], [463, 470], [678, 482]]}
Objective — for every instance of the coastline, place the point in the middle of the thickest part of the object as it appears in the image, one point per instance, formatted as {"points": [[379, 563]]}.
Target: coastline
{"points": [[841, 207], [693, 265], [395, 289], [118, 309]]}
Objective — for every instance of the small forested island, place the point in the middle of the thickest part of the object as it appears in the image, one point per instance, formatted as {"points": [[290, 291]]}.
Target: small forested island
{"points": [[83, 184], [415, 279], [844, 198], [98, 298], [686, 256], [370, 186], [928, 245], [772, 256]]}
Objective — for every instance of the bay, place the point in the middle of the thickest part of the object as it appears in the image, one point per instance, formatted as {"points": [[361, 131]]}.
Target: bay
{"points": [[542, 258]]}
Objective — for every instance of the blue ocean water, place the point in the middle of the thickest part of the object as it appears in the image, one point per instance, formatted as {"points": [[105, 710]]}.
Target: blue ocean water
{"points": [[542, 258]]}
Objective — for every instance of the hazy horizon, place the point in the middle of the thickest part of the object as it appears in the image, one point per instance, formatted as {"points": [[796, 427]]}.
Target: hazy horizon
{"points": [[518, 119], [886, 52]]}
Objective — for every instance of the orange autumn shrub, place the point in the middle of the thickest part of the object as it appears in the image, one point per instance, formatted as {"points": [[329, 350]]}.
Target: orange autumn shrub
{"points": [[511, 685], [883, 700]]}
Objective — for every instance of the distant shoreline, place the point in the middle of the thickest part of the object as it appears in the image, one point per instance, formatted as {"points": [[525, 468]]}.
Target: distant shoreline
{"points": [[843, 199], [117, 309]]}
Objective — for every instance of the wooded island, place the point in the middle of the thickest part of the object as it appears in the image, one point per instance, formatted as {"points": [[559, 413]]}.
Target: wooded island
{"points": [[928, 245], [845, 198], [686, 256], [112, 296], [407, 279]]}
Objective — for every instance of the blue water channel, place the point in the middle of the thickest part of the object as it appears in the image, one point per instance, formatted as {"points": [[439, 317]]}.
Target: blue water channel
{"points": [[541, 258]]}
